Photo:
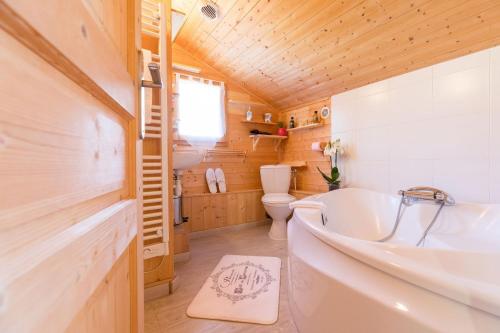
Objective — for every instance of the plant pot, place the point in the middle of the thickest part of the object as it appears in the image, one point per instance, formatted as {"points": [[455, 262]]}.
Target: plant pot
{"points": [[282, 131], [333, 187]]}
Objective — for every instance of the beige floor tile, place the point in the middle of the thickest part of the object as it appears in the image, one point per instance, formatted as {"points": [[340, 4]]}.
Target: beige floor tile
{"points": [[168, 314]]}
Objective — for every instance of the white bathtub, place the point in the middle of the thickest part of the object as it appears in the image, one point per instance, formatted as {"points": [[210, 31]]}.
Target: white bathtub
{"points": [[341, 280]]}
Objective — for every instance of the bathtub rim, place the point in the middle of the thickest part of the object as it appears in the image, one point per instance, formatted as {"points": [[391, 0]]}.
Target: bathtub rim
{"points": [[478, 295]]}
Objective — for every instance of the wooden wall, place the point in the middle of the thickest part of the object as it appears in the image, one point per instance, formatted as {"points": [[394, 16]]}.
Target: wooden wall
{"points": [[108, 308], [242, 204], [241, 173], [210, 211], [298, 146], [68, 212]]}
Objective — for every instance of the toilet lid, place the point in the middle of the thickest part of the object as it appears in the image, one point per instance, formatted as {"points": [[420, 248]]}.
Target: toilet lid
{"points": [[277, 198]]}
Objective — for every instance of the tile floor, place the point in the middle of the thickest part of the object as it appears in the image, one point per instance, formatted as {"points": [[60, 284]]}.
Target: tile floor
{"points": [[168, 314]]}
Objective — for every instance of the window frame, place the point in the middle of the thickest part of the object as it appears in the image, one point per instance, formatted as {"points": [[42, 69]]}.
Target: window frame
{"points": [[178, 140]]}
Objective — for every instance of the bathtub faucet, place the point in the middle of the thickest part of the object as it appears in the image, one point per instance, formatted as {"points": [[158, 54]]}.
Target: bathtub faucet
{"points": [[414, 195], [425, 193]]}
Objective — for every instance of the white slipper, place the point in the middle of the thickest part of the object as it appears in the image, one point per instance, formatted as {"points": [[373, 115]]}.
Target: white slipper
{"points": [[211, 181], [221, 180]]}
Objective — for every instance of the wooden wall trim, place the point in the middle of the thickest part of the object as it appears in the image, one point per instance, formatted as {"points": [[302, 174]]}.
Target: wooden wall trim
{"points": [[69, 43], [136, 248], [191, 195], [62, 272]]}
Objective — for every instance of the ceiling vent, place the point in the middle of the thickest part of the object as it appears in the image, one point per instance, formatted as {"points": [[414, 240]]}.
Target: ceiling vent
{"points": [[209, 9]]}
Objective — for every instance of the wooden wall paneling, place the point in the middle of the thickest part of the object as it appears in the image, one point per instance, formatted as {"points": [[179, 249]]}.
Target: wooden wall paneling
{"points": [[433, 38], [283, 35], [135, 257], [207, 211], [265, 16], [68, 155], [115, 25], [302, 194], [93, 160], [479, 38], [293, 53], [241, 173], [62, 285], [73, 49], [111, 298], [219, 211], [254, 208], [236, 14], [187, 207], [423, 36], [348, 25], [181, 238], [236, 214], [183, 56], [199, 205], [199, 27], [298, 147]]}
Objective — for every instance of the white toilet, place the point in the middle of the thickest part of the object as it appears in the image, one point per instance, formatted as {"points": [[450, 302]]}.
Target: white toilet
{"points": [[276, 182]]}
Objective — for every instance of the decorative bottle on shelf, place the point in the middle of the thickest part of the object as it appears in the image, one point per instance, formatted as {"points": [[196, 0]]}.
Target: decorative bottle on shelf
{"points": [[315, 117], [249, 114], [292, 123]]}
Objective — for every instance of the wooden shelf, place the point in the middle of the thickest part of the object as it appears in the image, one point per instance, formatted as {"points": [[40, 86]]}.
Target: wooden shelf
{"points": [[276, 138], [259, 122], [304, 127]]}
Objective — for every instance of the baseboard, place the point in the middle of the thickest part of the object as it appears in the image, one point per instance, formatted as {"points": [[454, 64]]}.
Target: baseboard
{"points": [[204, 233], [182, 257], [157, 291], [176, 282]]}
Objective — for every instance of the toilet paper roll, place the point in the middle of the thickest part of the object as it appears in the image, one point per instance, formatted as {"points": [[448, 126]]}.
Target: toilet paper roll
{"points": [[316, 146]]}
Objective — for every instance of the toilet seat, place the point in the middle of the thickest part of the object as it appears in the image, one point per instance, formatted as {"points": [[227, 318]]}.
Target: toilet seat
{"points": [[277, 198]]}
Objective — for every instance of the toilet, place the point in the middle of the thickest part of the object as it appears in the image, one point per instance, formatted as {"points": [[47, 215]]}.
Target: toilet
{"points": [[276, 182]]}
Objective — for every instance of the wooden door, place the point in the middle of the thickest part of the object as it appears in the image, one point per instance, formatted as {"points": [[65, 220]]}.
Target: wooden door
{"points": [[70, 241]]}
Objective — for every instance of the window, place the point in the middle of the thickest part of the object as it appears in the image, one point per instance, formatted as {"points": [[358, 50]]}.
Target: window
{"points": [[201, 115]]}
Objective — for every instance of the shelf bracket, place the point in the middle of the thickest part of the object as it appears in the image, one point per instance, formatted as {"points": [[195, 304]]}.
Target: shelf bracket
{"points": [[277, 143], [255, 142]]}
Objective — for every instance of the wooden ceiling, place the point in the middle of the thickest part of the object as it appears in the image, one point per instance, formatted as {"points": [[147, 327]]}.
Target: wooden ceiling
{"points": [[291, 52]]}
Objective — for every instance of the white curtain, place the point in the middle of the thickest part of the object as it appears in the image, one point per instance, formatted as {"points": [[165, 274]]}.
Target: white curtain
{"points": [[201, 114]]}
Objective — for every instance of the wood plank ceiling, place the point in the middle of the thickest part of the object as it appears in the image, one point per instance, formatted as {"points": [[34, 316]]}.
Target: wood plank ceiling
{"points": [[291, 52]]}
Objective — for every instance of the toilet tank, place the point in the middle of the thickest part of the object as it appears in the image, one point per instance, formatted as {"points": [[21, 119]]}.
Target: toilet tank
{"points": [[275, 178]]}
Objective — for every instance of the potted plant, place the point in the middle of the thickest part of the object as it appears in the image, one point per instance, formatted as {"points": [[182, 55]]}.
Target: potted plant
{"points": [[281, 129], [332, 149]]}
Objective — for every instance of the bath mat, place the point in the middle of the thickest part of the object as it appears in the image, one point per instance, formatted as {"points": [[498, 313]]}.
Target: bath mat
{"points": [[240, 288]]}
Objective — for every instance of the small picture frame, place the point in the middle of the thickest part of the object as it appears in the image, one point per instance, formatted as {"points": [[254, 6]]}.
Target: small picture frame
{"points": [[324, 112], [268, 117]]}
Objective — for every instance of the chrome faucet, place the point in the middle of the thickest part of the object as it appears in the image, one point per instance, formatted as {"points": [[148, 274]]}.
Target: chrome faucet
{"points": [[419, 193], [414, 195]]}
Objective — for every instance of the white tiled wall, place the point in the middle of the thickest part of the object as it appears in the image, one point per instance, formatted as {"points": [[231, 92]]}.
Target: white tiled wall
{"points": [[437, 126]]}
